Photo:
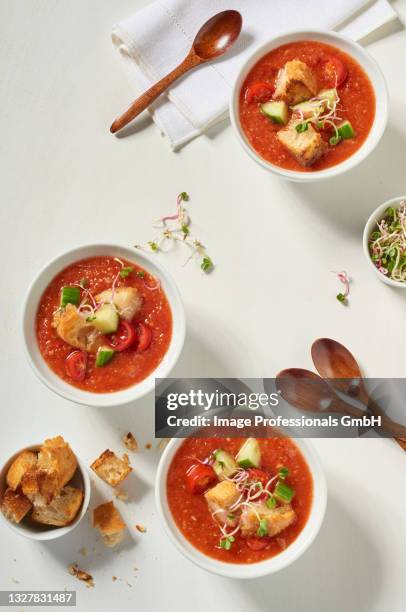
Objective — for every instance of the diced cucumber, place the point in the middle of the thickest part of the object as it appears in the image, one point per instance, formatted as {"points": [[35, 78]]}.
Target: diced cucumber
{"points": [[249, 455], [346, 130], [106, 319], [283, 492], [70, 295], [104, 355], [276, 111], [330, 95], [224, 464]]}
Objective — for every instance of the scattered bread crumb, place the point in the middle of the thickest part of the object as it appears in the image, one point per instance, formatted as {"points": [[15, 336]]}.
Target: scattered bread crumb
{"points": [[74, 570], [148, 445], [114, 578], [141, 528], [130, 442], [83, 552]]}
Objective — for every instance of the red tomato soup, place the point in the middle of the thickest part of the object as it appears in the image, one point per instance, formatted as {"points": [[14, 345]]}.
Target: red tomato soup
{"points": [[304, 71], [191, 500], [98, 359]]}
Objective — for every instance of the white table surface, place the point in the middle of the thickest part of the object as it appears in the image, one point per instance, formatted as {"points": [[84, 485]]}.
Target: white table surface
{"points": [[65, 181]]}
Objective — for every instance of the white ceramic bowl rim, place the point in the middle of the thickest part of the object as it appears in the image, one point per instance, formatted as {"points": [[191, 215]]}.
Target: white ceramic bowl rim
{"points": [[52, 380], [51, 533], [345, 44], [251, 570], [375, 216]]}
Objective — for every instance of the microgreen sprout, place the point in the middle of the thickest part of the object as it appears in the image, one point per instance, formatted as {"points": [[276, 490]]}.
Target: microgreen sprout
{"points": [[226, 543], [84, 283], [270, 502], [176, 228], [126, 271], [345, 280], [302, 127], [140, 273], [283, 473], [334, 140]]}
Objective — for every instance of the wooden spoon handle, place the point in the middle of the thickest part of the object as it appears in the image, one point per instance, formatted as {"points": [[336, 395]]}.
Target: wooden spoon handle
{"points": [[141, 103], [391, 427], [376, 410]]}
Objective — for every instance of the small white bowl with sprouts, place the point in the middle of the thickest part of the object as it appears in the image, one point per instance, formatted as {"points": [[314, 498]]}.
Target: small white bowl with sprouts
{"points": [[35, 296], [384, 242]]}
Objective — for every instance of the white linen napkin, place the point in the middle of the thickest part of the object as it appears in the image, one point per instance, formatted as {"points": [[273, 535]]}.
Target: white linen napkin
{"points": [[158, 37]]}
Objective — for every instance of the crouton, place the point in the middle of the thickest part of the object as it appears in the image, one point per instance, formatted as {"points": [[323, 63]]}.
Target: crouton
{"points": [[130, 442], [295, 83], [72, 327], [126, 299], [306, 147], [62, 510], [277, 519], [57, 456], [40, 486], [24, 462], [107, 519], [111, 468], [222, 496], [15, 505]]}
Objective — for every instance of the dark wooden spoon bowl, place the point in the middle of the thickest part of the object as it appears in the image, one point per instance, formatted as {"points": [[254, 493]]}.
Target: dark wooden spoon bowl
{"points": [[336, 363]]}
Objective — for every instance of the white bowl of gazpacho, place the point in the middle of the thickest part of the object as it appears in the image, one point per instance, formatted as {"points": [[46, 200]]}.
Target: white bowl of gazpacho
{"points": [[101, 322], [309, 105], [241, 508]]}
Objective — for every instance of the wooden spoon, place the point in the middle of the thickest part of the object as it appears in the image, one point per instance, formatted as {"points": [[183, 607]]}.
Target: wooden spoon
{"points": [[213, 39], [335, 362], [308, 391]]}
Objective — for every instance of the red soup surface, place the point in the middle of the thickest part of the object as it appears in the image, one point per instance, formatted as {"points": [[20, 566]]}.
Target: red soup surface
{"points": [[357, 103], [191, 513], [127, 367]]}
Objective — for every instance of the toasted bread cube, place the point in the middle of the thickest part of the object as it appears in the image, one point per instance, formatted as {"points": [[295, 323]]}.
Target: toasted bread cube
{"points": [[222, 496], [15, 505], [40, 486], [57, 456], [62, 510], [277, 519], [107, 519], [111, 468], [306, 147], [24, 462], [295, 83], [126, 299], [72, 327]]}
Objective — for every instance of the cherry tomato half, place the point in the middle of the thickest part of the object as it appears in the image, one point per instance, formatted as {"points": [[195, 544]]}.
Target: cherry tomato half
{"points": [[144, 336], [259, 92], [75, 365], [256, 475], [257, 543], [199, 476], [124, 337], [335, 72]]}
